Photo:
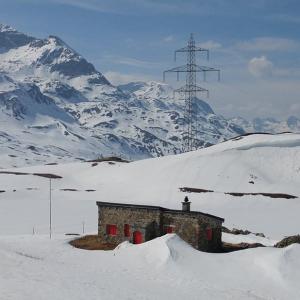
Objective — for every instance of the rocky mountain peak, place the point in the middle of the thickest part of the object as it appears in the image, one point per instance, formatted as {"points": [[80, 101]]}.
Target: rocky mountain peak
{"points": [[41, 58], [11, 38], [58, 41], [148, 90], [6, 28]]}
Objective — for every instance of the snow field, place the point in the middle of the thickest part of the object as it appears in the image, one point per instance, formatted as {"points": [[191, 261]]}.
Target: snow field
{"points": [[37, 268], [34, 267]]}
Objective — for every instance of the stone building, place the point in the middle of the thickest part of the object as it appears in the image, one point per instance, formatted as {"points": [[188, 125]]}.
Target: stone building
{"points": [[139, 223]]}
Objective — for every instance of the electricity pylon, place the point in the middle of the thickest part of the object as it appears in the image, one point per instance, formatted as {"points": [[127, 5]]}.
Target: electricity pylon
{"points": [[189, 91]]}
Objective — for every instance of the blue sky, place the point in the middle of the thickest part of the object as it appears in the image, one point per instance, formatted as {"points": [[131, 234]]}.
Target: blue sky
{"points": [[255, 43]]}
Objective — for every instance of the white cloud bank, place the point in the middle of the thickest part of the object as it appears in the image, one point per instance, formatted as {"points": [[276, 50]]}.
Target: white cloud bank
{"points": [[268, 44], [117, 78], [260, 67], [169, 38], [210, 45]]}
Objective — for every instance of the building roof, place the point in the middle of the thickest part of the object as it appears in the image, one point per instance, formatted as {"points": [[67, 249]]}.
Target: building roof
{"points": [[159, 208]]}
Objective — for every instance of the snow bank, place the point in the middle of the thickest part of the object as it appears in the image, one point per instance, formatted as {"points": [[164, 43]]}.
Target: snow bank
{"points": [[37, 268], [249, 238]]}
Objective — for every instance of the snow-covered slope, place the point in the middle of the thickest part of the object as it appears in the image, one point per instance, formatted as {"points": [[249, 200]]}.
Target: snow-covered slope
{"points": [[135, 121], [251, 164], [269, 125], [35, 129], [165, 268], [34, 267]]}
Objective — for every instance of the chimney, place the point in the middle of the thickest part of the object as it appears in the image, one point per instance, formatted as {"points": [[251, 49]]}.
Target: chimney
{"points": [[186, 204]]}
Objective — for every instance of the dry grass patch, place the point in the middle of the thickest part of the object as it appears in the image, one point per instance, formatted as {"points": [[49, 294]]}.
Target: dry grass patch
{"points": [[229, 247], [109, 158], [91, 242], [271, 195]]}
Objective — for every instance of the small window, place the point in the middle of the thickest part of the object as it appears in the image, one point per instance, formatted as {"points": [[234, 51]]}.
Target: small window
{"points": [[209, 234], [168, 229], [111, 229], [127, 230]]}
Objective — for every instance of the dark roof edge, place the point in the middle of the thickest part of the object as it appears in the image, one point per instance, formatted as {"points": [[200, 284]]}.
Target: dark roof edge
{"points": [[152, 207]]}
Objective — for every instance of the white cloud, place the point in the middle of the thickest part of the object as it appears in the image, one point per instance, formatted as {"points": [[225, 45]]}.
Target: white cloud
{"points": [[264, 98], [268, 44], [210, 45], [287, 72], [284, 18], [131, 7], [137, 63], [294, 109], [260, 67], [94, 5], [169, 38], [117, 78], [129, 61]]}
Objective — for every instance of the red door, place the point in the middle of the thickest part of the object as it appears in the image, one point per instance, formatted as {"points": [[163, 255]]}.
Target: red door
{"points": [[137, 237], [169, 229], [209, 234]]}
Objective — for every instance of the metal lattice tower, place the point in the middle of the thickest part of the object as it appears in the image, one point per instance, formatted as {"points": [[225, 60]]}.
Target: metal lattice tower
{"points": [[189, 91]]}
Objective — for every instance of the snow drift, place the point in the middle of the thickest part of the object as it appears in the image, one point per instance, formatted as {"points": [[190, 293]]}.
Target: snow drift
{"points": [[163, 268]]}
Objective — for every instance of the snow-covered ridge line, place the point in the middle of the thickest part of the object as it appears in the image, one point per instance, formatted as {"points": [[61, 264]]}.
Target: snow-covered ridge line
{"points": [[56, 107], [89, 117], [6, 28]]}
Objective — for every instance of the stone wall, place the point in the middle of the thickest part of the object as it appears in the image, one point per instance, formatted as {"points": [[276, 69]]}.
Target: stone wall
{"points": [[192, 229], [184, 225], [190, 226], [143, 220]]}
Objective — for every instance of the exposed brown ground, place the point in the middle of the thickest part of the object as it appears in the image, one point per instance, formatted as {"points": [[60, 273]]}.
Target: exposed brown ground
{"points": [[46, 175], [271, 195], [228, 247], [194, 190], [109, 158], [295, 239], [91, 242]]}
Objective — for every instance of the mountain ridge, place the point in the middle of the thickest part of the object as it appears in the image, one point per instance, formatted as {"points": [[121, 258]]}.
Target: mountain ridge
{"points": [[90, 117]]}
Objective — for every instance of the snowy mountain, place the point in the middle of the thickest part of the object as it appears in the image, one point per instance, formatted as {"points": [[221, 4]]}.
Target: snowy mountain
{"points": [[52, 98], [269, 125], [55, 106]]}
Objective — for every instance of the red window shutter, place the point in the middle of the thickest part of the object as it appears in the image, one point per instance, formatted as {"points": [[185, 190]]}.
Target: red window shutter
{"points": [[168, 229], [111, 229], [127, 230], [209, 234], [114, 230]]}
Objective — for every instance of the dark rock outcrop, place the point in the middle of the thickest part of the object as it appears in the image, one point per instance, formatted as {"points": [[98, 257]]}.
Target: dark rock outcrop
{"points": [[295, 239]]}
